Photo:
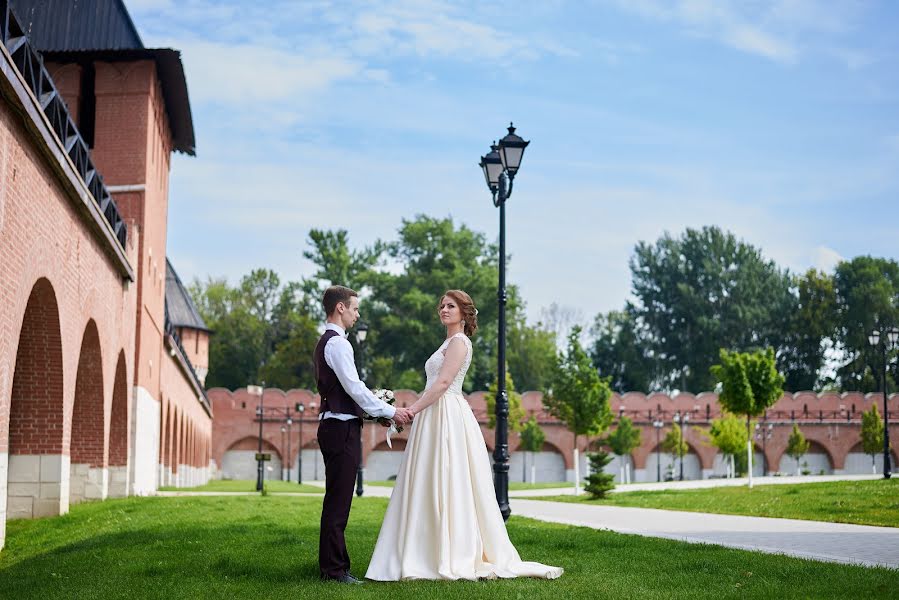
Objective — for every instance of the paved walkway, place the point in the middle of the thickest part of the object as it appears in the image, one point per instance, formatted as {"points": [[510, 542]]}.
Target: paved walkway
{"points": [[693, 484], [832, 542]]}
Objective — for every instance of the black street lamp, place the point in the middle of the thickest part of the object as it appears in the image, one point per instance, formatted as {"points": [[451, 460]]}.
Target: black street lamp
{"points": [[258, 390], [361, 334], [500, 166], [764, 433], [658, 424], [289, 423], [301, 408], [887, 342], [685, 420]]}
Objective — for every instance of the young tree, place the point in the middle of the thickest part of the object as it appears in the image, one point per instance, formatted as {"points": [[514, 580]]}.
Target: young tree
{"points": [[599, 483], [750, 383], [730, 436], [517, 414], [872, 434], [623, 440], [797, 445], [675, 444], [579, 397], [532, 438]]}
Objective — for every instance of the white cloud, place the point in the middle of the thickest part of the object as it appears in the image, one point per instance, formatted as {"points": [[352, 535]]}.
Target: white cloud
{"points": [[825, 259]]}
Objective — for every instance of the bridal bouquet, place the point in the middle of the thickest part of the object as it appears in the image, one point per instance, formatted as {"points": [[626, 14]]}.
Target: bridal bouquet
{"points": [[388, 397]]}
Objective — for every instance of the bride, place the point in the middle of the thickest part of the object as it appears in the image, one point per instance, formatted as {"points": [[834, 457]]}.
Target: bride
{"points": [[443, 521]]}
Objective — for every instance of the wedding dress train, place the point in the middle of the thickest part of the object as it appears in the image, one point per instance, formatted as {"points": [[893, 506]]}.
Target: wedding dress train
{"points": [[443, 521]]}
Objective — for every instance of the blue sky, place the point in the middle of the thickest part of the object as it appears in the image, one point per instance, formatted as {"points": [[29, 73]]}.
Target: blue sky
{"points": [[775, 119]]}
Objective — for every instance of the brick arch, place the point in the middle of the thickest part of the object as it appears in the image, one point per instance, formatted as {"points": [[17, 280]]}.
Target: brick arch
{"points": [[36, 407], [88, 419], [118, 424], [858, 448], [252, 443]]}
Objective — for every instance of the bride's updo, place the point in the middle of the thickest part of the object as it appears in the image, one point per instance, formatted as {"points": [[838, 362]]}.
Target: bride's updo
{"points": [[467, 307]]}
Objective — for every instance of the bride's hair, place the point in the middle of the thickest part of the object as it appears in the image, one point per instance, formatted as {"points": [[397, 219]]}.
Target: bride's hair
{"points": [[466, 305]]}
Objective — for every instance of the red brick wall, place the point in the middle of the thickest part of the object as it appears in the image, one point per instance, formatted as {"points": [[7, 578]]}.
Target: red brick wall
{"points": [[118, 425], [88, 435]]}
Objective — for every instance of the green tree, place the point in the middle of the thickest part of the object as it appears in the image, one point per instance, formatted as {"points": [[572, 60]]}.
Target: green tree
{"points": [[867, 291], [872, 434], [532, 439], [730, 437], [620, 353], [531, 354], [623, 440], [578, 396], [797, 445], [599, 483], [812, 327], [704, 291], [750, 384], [674, 443], [517, 414]]}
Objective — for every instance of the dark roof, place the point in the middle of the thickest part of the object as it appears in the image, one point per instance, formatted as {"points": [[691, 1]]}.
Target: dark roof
{"points": [[77, 24], [182, 311], [171, 76], [81, 31]]}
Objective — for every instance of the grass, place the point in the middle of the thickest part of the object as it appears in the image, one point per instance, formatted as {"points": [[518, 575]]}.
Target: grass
{"points": [[513, 486], [869, 502], [246, 485], [266, 547]]}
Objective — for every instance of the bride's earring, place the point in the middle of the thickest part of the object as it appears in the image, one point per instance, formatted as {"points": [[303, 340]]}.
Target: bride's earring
{"points": [[463, 323]]}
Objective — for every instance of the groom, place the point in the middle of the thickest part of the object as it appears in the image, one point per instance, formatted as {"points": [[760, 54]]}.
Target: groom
{"points": [[343, 400]]}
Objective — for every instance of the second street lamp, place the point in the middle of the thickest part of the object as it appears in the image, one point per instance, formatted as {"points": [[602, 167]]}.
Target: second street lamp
{"points": [[361, 334], [258, 390], [658, 424], [887, 342], [301, 408], [500, 166]]}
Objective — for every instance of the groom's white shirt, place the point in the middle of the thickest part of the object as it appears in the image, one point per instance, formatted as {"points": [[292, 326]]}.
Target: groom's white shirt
{"points": [[339, 356]]}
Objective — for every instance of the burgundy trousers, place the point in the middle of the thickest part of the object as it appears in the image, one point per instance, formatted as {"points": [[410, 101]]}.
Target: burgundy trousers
{"points": [[341, 447]]}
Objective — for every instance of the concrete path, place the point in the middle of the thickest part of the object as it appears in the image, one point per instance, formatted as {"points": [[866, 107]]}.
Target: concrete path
{"points": [[832, 542], [693, 484]]}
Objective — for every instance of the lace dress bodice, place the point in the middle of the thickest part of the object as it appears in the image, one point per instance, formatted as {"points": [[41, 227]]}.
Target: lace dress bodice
{"points": [[433, 364]]}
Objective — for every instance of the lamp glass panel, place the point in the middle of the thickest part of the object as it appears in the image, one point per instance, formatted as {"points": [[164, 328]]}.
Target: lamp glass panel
{"points": [[511, 157]]}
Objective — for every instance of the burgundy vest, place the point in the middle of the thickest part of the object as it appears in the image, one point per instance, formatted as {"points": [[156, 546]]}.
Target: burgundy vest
{"points": [[333, 397]]}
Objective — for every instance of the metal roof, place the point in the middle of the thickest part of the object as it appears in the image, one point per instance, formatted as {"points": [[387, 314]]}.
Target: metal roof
{"points": [[77, 25], [182, 311]]}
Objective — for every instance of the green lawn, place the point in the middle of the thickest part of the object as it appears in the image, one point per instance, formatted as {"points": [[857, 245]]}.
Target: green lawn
{"points": [[266, 547], [240, 485], [870, 502], [514, 486]]}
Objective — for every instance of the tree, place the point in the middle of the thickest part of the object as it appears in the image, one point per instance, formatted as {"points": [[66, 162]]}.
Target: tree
{"points": [[872, 434], [623, 440], [517, 414], [532, 439], [704, 291], [812, 327], [530, 352], [578, 396], [797, 445], [675, 444], [730, 437], [620, 353], [599, 483], [750, 384], [867, 291]]}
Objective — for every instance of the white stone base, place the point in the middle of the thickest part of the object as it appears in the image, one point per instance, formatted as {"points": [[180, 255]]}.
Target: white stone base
{"points": [[118, 482], [4, 467], [38, 486], [87, 483], [144, 443], [706, 473]]}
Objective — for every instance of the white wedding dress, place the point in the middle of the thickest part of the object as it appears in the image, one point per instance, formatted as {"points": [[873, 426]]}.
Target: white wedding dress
{"points": [[443, 521]]}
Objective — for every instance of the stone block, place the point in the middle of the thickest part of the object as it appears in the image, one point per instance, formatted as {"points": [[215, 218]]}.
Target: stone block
{"points": [[49, 491], [52, 466], [19, 508], [24, 489], [24, 468], [49, 508]]}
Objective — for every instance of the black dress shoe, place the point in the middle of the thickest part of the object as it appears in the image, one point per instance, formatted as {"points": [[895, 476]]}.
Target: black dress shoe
{"points": [[345, 578]]}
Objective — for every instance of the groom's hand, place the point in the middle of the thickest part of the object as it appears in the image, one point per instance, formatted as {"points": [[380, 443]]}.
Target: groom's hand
{"points": [[403, 416]]}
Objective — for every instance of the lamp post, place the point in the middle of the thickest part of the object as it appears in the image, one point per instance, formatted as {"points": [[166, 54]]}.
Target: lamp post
{"points": [[283, 469], [312, 407], [885, 342], [258, 390], [684, 421], [764, 433], [658, 424], [301, 408], [361, 334], [500, 166], [289, 423]]}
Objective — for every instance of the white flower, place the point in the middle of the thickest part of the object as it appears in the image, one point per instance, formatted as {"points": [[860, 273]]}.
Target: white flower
{"points": [[389, 394]]}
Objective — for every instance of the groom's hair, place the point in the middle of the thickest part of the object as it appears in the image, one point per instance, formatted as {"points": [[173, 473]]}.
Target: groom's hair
{"points": [[335, 295]]}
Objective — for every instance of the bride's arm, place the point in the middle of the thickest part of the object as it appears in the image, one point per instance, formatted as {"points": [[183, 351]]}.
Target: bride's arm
{"points": [[452, 364]]}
